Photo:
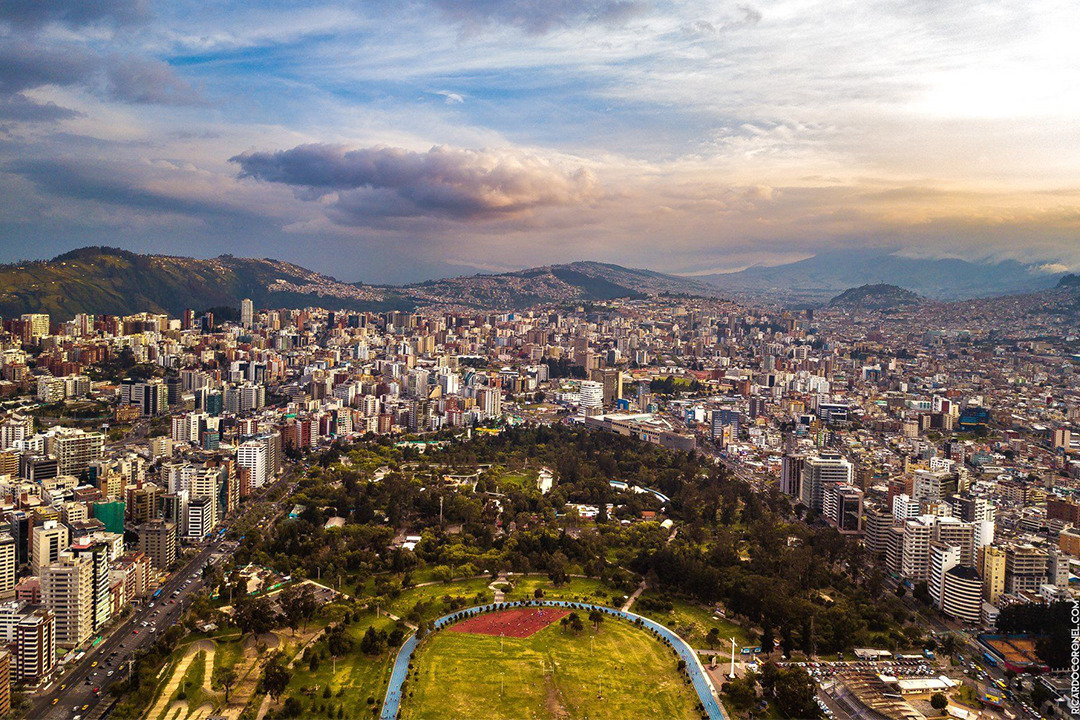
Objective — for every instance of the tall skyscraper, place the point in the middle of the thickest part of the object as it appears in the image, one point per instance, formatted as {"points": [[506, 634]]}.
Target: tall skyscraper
{"points": [[819, 471], [48, 541], [7, 566], [247, 313], [67, 590]]}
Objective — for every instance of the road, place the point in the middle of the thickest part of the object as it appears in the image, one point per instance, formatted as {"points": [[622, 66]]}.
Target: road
{"points": [[85, 685], [68, 695]]}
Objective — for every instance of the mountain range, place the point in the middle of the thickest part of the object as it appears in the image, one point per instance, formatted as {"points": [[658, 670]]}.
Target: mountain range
{"points": [[102, 280], [815, 280]]}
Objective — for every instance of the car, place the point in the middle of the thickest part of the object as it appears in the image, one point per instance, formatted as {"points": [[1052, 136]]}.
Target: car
{"points": [[64, 686], [110, 673], [85, 707], [55, 700], [134, 632], [93, 664]]}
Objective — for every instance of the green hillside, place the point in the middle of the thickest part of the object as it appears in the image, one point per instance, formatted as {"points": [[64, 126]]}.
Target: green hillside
{"points": [[104, 280]]}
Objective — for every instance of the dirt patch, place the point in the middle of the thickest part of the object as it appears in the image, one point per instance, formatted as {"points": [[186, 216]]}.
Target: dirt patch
{"points": [[517, 622], [553, 700]]}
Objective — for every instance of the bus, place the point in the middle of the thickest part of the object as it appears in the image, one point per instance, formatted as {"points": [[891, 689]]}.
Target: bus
{"points": [[990, 659], [157, 594]]}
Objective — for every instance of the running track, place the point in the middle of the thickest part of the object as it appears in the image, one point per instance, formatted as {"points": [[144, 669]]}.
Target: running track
{"points": [[701, 683]]}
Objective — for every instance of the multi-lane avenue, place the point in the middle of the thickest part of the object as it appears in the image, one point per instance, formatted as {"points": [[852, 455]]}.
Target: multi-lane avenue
{"points": [[82, 689]]}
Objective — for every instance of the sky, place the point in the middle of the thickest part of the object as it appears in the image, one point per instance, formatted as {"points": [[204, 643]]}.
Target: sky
{"points": [[394, 141]]}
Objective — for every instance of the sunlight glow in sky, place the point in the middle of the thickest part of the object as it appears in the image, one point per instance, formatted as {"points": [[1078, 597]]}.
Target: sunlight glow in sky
{"points": [[396, 141]]}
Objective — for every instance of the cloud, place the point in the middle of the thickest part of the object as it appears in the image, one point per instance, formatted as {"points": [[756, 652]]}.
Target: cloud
{"points": [[537, 17], [118, 185], [746, 16], [145, 81], [25, 65], [442, 182], [21, 108], [72, 13], [452, 98]]}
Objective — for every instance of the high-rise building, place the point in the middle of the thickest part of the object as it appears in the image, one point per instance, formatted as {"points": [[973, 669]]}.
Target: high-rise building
{"points": [[961, 594], [1025, 568], [5, 683], [143, 500], [791, 467], [7, 567], [943, 557], [36, 326], [961, 534], [67, 590], [157, 540], [612, 382], [200, 518], [247, 313], [904, 507], [992, 569], [150, 396], [253, 456], [822, 470], [20, 531], [591, 395], [877, 523], [98, 553], [30, 633], [843, 505], [75, 449], [915, 562], [47, 542]]}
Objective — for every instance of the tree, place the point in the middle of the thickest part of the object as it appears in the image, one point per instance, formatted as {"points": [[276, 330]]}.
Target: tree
{"points": [[254, 615], [373, 642], [795, 693], [938, 701], [226, 678], [596, 617], [767, 639], [948, 644], [275, 677], [741, 691], [712, 638], [298, 603]]}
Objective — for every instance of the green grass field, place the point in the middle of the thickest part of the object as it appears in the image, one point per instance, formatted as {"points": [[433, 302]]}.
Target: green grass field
{"points": [[692, 623], [553, 674], [352, 680], [581, 589]]}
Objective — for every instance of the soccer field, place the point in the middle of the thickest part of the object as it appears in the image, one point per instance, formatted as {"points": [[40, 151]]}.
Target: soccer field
{"points": [[551, 674]]}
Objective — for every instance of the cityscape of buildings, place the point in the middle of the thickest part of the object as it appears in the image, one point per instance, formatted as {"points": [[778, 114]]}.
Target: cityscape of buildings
{"points": [[949, 447]]}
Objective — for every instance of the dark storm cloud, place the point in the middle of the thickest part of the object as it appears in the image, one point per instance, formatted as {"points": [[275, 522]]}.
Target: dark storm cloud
{"points": [[110, 183], [25, 65], [73, 13], [23, 109], [146, 81], [537, 17], [444, 181]]}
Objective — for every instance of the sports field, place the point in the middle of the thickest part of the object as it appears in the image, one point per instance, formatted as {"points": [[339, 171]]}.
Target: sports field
{"points": [[553, 673]]}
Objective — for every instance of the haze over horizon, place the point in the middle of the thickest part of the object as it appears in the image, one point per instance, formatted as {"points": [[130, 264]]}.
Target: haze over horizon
{"points": [[394, 142]]}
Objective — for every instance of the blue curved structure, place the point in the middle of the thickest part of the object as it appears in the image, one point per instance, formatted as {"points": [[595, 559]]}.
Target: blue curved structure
{"points": [[702, 685]]}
